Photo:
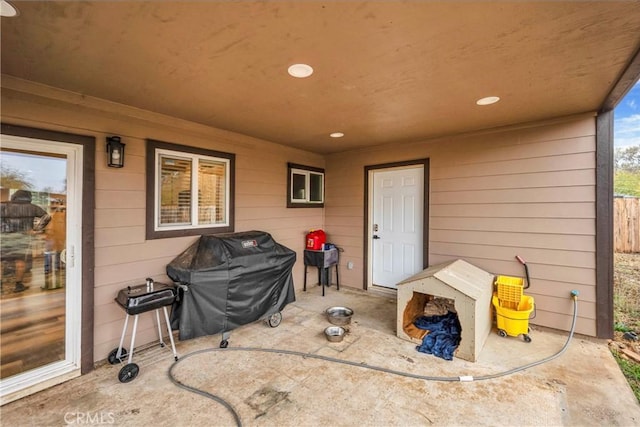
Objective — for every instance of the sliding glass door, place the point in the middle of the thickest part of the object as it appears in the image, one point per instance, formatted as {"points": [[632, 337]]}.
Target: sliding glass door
{"points": [[40, 299]]}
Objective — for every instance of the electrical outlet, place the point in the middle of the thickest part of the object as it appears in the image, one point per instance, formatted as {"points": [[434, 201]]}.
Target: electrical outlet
{"points": [[350, 265]]}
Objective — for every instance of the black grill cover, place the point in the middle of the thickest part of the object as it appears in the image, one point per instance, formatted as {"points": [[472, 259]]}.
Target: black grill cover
{"points": [[232, 279]]}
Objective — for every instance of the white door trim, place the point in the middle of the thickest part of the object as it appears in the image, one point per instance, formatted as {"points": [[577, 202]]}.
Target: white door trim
{"points": [[397, 213], [368, 223], [37, 379]]}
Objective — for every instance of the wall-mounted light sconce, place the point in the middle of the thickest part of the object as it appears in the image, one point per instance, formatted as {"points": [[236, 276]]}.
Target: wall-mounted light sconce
{"points": [[115, 152]]}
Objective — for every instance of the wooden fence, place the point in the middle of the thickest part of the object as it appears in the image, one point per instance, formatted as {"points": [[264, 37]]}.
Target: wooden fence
{"points": [[626, 225]]}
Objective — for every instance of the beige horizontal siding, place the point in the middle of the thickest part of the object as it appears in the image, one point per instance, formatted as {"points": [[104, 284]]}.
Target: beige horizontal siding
{"points": [[526, 191], [586, 309], [131, 273], [115, 255], [476, 150], [278, 226], [344, 221], [517, 166], [340, 231], [518, 210], [505, 253], [118, 236], [347, 211], [520, 180], [123, 256], [252, 188], [266, 200], [518, 225], [558, 129], [557, 320], [516, 240], [583, 193], [117, 198], [109, 313], [120, 217], [344, 197], [108, 180]]}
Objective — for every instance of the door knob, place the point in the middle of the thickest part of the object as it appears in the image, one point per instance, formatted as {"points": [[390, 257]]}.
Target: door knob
{"points": [[375, 236]]}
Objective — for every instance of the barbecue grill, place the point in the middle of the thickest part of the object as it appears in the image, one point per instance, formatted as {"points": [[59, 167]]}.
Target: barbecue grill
{"points": [[135, 300], [229, 280]]}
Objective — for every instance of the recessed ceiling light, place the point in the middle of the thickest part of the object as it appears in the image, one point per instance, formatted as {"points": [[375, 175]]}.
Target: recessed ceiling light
{"points": [[300, 70], [336, 135], [7, 9], [488, 100]]}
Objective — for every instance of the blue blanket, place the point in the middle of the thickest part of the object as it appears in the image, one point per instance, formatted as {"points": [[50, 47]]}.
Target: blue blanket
{"points": [[443, 337]]}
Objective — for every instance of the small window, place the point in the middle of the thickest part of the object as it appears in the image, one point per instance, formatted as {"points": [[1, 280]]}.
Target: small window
{"points": [[305, 186], [176, 173]]}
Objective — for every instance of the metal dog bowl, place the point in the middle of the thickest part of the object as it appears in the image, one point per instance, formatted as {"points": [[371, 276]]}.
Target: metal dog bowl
{"points": [[339, 315], [334, 333]]}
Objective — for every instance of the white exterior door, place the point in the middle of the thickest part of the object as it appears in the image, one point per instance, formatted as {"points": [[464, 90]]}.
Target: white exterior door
{"points": [[41, 299], [397, 224]]}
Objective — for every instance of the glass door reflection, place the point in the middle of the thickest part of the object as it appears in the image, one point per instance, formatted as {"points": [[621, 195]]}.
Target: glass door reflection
{"points": [[33, 239]]}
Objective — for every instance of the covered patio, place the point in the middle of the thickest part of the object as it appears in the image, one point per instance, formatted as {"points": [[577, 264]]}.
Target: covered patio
{"points": [[501, 111], [583, 386]]}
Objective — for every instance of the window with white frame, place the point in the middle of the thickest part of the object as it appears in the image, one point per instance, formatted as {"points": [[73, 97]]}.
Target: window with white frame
{"points": [[305, 186], [178, 173]]}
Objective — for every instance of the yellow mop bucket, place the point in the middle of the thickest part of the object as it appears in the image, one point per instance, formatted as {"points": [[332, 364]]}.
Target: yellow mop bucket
{"points": [[513, 308], [514, 321]]}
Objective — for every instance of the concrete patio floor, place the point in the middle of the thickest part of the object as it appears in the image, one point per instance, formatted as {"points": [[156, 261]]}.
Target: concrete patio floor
{"points": [[581, 387]]}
